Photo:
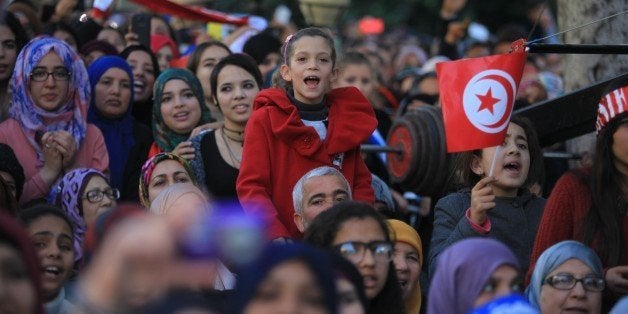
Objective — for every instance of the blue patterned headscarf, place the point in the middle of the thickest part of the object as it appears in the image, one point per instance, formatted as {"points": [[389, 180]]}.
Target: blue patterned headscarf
{"points": [[118, 133], [555, 256], [71, 116], [166, 138], [67, 193]]}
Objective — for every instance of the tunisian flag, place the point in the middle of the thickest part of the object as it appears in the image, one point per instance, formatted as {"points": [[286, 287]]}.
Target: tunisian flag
{"points": [[477, 96]]}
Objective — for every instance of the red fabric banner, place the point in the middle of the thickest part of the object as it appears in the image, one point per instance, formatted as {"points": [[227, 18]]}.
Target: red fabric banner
{"points": [[191, 12], [477, 97]]}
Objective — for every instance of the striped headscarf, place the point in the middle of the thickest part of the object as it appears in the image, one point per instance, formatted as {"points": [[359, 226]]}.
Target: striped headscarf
{"points": [[72, 115]]}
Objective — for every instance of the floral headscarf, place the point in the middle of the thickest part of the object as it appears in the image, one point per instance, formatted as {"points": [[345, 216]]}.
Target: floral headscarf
{"points": [[165, 138], [67, 194], [71, 116], [147, 172]]}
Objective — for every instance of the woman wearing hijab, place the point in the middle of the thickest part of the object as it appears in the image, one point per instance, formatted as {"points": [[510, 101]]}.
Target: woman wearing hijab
{"points": [[183, 205], [17, 255], [408, 259], [175, 196], [83, 194], [178, 109], [48, 127], [111, 109], [471, 273], [164, 49], [161, 171], [567, 276], [293, 272]]}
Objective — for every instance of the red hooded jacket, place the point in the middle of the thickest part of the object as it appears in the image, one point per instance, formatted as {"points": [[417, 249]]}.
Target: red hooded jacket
{"points": [[279, 149]]}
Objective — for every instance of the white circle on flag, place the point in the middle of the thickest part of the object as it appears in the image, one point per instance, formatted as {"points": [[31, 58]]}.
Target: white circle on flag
{"points": [[488, 99]]}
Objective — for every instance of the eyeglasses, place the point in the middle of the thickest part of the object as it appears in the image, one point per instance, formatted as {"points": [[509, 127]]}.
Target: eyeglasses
{"points": [[41, 75], [354, 251], [95, 196], [568, 281]]}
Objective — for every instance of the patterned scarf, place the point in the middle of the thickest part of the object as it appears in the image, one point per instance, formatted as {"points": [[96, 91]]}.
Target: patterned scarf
{"points": [[72, 115], [166, 138], [147, 172], [67, 193]]}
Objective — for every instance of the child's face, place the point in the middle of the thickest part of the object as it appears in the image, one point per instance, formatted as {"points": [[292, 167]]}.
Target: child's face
{"points": [[512, 163], [54, 245], [358, 75], [310, 71]]}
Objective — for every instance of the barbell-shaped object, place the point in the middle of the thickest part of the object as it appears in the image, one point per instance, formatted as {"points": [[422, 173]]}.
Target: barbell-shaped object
{"points": [[416, 153]]}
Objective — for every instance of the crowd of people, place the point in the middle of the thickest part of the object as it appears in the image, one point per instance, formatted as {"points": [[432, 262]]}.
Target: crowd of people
{"points": [[225, 175]]}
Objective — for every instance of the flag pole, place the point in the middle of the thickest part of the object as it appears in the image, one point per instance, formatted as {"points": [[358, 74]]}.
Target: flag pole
{"points": [[577, 48], [490, 172]]}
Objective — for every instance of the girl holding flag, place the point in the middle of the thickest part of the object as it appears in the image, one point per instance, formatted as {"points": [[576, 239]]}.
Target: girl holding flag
{"points": [[496, 202]]}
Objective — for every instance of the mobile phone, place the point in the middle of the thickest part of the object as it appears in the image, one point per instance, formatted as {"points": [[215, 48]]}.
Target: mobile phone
{"points": [[140, 25]]}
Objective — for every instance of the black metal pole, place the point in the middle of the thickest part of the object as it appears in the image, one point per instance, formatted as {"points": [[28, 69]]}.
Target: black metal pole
{"points": [[578, 49], [370, 148]]}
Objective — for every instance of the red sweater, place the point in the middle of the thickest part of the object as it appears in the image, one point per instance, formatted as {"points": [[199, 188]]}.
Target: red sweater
{"points": [[564, 213], [279, 149]]}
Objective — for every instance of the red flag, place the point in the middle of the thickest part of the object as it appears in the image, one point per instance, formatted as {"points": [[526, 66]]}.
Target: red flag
{"points": [[191, 12], [477, 96]]}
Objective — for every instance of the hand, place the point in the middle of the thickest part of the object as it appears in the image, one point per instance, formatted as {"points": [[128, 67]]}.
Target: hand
{"points": [[123, 268], [617, 279], [66, 145], [206, 127], [185, 150], [138, 262], [402, 202], [64, 8], [455, 31], [53, 163], [482, 199], [131, 39]]}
